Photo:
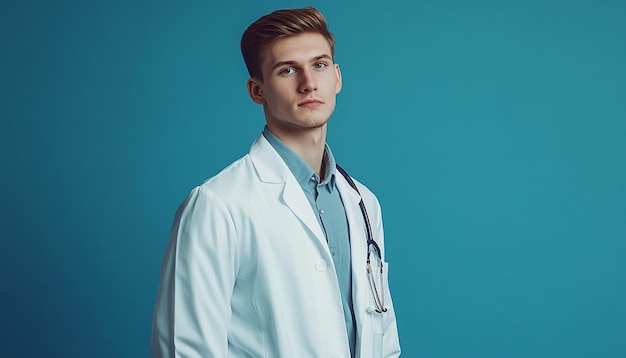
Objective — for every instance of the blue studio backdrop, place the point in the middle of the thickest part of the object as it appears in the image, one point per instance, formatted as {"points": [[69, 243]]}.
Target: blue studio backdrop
{"points": [[493, 133]]}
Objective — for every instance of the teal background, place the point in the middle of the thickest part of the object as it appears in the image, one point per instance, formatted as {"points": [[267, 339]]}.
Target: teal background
{"points": [[493, 132]]}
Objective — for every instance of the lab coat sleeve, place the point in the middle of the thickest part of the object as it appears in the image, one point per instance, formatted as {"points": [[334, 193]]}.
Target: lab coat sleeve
{"points": [[391, 342], [193, 311]]}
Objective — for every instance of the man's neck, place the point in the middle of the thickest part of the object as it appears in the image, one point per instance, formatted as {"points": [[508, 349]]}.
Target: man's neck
{"points": [[307, 144]]}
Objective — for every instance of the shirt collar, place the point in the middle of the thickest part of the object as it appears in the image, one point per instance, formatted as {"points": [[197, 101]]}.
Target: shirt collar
{"points": [[300, 169]]}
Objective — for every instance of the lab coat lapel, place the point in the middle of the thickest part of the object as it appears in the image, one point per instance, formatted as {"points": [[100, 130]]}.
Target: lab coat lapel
{"points": [[272, 169], [358, 246], [296, 200]]}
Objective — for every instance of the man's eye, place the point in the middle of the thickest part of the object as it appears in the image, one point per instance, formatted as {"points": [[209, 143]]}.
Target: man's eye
{"points": [[320, 65], [287, 71]]}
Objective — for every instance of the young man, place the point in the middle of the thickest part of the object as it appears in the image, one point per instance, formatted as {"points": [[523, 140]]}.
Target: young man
{"points": [[270, 257]]}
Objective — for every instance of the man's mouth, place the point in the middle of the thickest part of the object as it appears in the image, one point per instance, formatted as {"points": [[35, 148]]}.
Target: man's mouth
{"points": [[310, 103]]}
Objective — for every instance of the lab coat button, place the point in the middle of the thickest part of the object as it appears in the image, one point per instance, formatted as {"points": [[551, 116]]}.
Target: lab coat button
{"points": [[321, 265]]}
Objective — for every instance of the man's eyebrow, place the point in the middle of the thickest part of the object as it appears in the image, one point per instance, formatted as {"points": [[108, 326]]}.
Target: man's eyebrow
{"points": [[293, 63]]}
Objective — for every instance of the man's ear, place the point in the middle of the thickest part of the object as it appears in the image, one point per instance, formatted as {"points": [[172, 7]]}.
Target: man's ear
{"points": [[339, 79], [256, 91]]}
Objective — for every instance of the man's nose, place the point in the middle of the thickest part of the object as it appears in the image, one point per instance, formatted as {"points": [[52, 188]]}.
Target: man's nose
{"points": [[307, 82]]}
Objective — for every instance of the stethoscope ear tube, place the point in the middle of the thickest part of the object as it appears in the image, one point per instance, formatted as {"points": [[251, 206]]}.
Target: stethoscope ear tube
{"points": [[368, 226]]}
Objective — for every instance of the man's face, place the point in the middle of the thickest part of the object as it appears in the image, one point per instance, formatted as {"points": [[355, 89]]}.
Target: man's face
{"points": [[300, 83]]}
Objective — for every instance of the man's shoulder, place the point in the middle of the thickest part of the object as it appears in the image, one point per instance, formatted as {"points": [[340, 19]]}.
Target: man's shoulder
{"points": [[238, 174]]}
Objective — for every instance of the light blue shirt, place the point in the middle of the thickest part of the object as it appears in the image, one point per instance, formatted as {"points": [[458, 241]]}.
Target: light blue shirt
{"points": [[326, 201]]}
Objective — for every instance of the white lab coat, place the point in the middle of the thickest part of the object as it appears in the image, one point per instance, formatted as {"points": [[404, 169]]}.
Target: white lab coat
{"points": [[248, 273]]}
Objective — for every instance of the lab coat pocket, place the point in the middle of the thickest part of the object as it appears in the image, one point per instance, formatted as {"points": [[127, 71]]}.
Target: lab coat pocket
{"points": [[379, 320], [377, 333], [388, 315], [373, 337], [380, 335], [381, 294]]}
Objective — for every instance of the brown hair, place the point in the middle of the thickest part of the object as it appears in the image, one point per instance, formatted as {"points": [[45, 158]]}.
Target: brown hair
{"points": [[278, 25]]}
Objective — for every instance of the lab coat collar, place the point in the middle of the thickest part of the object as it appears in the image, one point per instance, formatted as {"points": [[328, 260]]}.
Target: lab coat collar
{"points": [[271, 168], [268, 164]]}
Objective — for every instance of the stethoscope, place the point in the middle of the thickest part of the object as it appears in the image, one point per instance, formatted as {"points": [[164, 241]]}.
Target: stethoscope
{"points": [[372, 246]]}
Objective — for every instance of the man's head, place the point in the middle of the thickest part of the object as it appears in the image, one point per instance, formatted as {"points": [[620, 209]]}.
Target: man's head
{"points": [[269, 29], [289, 54]]}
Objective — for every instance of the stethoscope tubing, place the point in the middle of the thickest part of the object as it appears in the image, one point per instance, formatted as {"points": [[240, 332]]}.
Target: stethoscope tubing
{"points": [[379, 300]]}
